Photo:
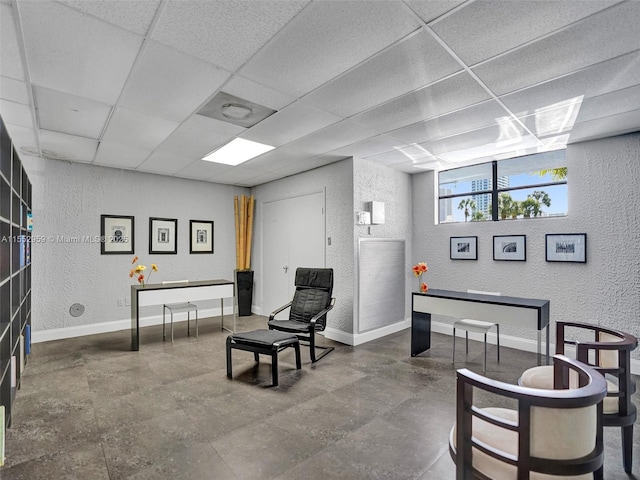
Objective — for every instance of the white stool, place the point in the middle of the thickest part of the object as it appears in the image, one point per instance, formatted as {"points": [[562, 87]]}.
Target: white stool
{"points": [[177, 308], [477, 326]]}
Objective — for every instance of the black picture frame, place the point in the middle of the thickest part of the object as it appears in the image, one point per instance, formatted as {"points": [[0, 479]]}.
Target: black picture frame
{"points": [[117, 234], [566, 247], [510, 248], [200, 236], [463, 248], [163, 236]]}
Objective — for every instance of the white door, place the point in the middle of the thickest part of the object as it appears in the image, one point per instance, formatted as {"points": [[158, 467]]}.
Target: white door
{"points": [[293, 236]]}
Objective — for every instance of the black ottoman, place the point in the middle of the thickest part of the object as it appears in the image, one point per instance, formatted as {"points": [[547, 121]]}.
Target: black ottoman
{"points": [[267, 342]]}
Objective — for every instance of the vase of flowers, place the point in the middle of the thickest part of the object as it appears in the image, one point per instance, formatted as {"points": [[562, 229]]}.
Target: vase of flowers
{"points": [[138, 272], [418, 269]]}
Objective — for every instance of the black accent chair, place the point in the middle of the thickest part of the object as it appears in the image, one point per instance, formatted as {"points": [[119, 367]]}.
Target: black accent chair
{"points": [[308, 309]]}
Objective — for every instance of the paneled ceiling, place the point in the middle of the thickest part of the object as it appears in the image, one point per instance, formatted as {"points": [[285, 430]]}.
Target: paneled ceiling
{"points": [[415, 85]]}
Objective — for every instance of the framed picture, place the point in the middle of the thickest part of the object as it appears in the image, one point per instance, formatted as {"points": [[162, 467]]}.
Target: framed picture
{"points": [[201, 236], [510, 247], [163, 235], [464, 248], [116, 235], [566, 247]]}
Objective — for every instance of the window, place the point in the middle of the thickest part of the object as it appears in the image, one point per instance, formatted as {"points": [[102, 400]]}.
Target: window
{"points": [[521, 187]]}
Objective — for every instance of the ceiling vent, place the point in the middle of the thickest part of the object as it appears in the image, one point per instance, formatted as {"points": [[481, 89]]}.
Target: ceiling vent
{"points": [[231, 109]]}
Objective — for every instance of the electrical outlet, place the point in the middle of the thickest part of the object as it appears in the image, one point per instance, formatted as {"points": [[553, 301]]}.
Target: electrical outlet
{"points": [[127, 301], [120, 302]]}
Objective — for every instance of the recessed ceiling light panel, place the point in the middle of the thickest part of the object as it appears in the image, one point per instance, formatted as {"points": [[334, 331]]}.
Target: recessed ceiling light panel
{"points": [[237, 151]]}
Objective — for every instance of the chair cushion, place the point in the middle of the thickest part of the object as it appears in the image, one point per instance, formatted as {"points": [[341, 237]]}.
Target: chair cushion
{"points": [[552, 437], [308, 302], [290, 326], [542, 377], [181, 307], [477, 326], [262, 337], [315, 278]]}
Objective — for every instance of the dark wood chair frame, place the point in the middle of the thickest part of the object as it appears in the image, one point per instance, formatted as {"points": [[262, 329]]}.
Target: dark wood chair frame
{"points": [[591, 392], [627, 412]]}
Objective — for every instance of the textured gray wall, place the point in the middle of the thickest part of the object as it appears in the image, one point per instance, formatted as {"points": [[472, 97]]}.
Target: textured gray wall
{"points": [[604, 203], [373, 182], [68, 200]]}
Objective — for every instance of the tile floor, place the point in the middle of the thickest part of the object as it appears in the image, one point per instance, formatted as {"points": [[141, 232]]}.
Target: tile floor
{"points": [[91, 409]]}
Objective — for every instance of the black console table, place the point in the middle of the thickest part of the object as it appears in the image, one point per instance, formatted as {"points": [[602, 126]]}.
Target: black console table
{"points": [[519, 312]]}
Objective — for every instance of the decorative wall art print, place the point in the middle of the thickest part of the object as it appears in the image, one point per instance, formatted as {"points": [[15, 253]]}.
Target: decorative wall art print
{"points": [[510, 247], [116, 234], [201, 236], [463, 248], [163, 236], [566, 247]]}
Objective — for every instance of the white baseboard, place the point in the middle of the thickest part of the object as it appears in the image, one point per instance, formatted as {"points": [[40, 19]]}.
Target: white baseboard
{"points": [[360, 338], [117, 325]]}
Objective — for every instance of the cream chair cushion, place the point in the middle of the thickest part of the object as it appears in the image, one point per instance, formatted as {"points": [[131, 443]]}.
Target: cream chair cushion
{"points": [[542, 377], [555, 434]]}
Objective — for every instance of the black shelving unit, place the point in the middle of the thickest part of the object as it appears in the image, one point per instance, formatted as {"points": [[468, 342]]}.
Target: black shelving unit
{"points": [[15, 270]]}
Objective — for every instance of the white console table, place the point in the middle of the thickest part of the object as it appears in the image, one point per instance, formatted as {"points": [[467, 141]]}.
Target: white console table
{"points": [[518, 312], [158, 294]]}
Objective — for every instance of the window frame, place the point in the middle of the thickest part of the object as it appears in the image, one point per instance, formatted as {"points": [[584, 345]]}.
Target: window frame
{"points": [[495, 191]]}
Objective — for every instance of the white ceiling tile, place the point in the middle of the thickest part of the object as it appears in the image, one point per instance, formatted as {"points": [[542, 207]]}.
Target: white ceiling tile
{"points": [[448, 95], [275, 159], [77, 54], [309, 163], [371, 146], [295, 121], [135, 16], [518, 24], [198, 136], [622, 123], [202, 170], [138, 130], [334, 136], [260, 179], [503, 138], [615, 74], [412, 154], [16, 113], [14, 90], [170, 84], [410, 64], [471, 118], [226, 33], [165, 162], [235, 175], [22, 137], [554, 120], [326, 39], [429, 10], [119, 156], [67, 147], [61, 112], [254, 92], [612, 103], [567, 51], [10, 57]]}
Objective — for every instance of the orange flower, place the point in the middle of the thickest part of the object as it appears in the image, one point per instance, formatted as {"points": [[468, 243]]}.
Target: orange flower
{"points": [[424, 287], [138, 271], [419, 269]]}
